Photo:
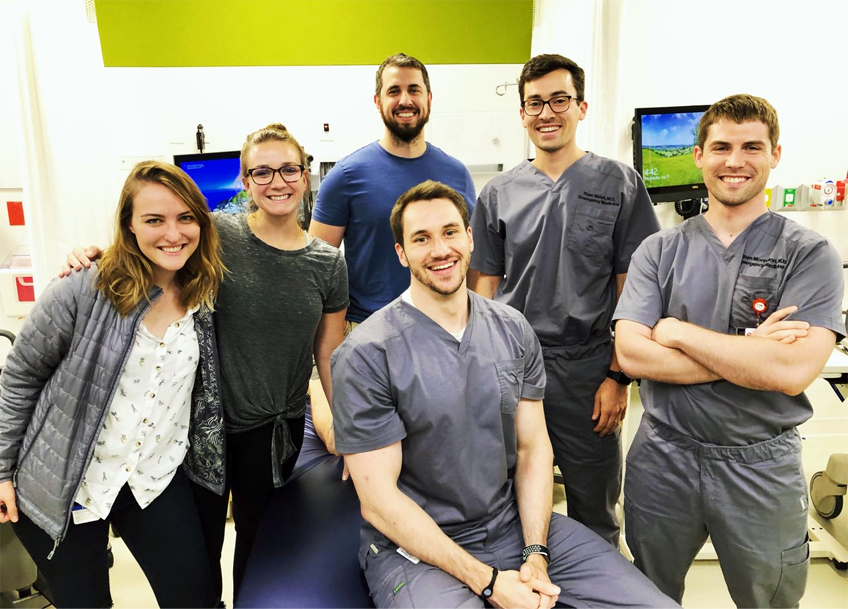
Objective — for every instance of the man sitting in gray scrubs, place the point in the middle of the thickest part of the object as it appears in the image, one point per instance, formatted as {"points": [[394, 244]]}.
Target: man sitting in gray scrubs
{"points": [[554, 238], [438, 411], [730, 316]]}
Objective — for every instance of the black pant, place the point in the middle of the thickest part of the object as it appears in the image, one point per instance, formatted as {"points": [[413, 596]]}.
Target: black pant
{"points": [[165, 538], [250, 478]]}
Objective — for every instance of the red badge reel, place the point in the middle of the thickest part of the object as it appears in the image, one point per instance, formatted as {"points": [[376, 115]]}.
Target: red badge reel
{"points": [[760, 306]]}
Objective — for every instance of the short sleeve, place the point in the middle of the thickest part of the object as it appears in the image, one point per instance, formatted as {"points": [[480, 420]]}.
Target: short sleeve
{"points": [[641, 300], [365, 416], [469, 192], [816, 287], [337, 298], [332, 206], [636, 221], [534, 365], [488, 254]]}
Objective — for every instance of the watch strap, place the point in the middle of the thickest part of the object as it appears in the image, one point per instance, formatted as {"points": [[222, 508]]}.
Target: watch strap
{"points": [[619, 377], [536, 548]]}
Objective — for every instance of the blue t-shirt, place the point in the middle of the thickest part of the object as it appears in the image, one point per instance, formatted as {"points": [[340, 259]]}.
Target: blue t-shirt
{"points": [[359, 193]]}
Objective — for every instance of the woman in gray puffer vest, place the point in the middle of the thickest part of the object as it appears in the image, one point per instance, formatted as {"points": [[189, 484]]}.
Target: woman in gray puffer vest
{"points": [[111, 386]]}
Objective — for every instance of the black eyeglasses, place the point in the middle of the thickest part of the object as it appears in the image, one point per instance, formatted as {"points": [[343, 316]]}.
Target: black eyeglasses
{"points": [[265, 175], [559, 104]]}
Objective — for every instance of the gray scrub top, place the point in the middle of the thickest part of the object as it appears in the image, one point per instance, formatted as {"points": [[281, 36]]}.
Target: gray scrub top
{"points": [[400, 376], [560, 244], [686, 273]]}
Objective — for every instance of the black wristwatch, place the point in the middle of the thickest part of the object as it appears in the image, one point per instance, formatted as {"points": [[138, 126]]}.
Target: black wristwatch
{"points": [[488, 590], [536, 548], [619, 377]]}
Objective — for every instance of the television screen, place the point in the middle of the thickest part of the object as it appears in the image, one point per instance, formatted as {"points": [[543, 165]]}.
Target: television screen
{"points": [[663, 142], [218, 175]]}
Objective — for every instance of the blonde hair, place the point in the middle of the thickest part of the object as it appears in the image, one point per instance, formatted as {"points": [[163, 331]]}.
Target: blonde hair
{"points": [[275, 132], [125, 274]]}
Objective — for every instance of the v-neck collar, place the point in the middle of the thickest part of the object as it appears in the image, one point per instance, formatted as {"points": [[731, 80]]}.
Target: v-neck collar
{"points": [[738, 244], [462, 346], [531, 168]]}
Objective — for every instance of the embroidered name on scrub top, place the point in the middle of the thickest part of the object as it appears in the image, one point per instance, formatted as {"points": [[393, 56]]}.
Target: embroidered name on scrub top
{"points": [[144, 437]]}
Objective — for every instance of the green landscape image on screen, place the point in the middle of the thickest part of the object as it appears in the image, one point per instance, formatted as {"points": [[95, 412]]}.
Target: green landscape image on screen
{"points": [[668, 141]]}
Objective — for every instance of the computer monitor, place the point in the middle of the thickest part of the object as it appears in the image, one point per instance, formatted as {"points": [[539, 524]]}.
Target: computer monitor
{"points": [[218, 175], [663, 141]]}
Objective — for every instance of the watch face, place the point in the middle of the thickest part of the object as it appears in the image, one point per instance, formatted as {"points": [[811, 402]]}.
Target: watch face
{"points": [[487, 593]]}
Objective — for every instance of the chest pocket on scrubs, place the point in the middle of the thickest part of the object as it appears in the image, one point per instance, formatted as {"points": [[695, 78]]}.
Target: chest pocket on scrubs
{"points": [[748, 289], [511, 379], [590, 233]]}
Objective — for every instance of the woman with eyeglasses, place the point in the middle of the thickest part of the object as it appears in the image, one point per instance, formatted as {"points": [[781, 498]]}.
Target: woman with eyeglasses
{"points": [[283, 300], [110, 402]]}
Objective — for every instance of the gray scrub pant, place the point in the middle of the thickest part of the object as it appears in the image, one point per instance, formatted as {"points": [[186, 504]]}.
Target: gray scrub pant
{"points": [[590, 572], [590, 464], [751, 500]]}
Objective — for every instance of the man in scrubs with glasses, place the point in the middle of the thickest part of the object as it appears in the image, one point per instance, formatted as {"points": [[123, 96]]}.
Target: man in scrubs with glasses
{"points": [[728, 317], [553, 238]]}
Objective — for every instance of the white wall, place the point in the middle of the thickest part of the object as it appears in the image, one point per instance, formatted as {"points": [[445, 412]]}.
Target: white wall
{"points": [[97, 121], [793, 53], [646, 53], [637, 53]]}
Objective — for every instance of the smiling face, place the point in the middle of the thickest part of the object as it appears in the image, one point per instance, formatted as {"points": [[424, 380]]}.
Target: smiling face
{"points": [[736, 160], [279, 198], [436, 245], [404, 102], [166, 231], [553, 131]]}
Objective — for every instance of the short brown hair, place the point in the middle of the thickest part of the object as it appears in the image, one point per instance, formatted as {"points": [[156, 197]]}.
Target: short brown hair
{"points": [[740, 108], [125, 274], [425, 191], [401, 60], [542, 65]]}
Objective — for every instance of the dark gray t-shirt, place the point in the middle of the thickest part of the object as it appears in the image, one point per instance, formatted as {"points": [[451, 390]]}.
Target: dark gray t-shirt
{"points": [[266, 315], [561, 244], [401, 377], [686, 273]]}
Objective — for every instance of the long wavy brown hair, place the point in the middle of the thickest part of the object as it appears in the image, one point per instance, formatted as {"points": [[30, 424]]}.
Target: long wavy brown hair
{"points": [[126, 276]]}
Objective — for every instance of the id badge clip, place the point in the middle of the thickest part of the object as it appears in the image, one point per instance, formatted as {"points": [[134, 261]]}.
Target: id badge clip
{"points": [[759, 306]]}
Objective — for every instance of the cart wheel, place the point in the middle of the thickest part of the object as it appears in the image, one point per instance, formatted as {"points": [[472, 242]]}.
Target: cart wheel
{"points": [[829, 506], [840, 566]]}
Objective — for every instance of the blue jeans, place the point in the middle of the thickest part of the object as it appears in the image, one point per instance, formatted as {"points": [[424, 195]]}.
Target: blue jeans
{"points": [[165, 538]]}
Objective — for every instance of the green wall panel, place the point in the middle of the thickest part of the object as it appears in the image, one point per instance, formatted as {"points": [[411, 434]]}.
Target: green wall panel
{"points": [[170, 33]]}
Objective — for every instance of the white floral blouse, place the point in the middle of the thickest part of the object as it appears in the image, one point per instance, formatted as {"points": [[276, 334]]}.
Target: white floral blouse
{"points": [[144, 437]]}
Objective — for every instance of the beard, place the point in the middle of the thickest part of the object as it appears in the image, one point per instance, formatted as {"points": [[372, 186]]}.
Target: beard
{"points": [[406, 132], [443, 288]]}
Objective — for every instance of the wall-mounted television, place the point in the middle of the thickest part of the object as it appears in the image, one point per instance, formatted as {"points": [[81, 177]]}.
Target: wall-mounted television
{"points": [[218, 175], [663, 142]]}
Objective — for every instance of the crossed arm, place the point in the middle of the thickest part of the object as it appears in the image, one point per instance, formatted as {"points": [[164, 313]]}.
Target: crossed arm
{"points": [[375, 475], [781, 355]]}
